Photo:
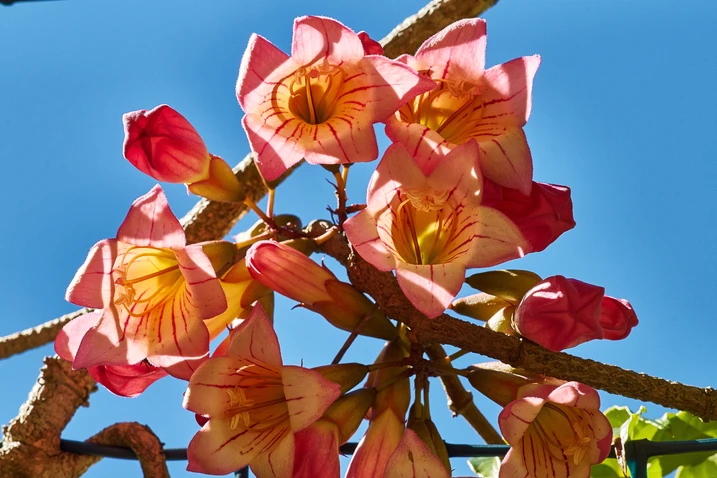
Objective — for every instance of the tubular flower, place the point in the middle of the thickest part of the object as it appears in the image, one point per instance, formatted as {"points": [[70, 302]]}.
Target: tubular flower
{"points": [[413, 459], [554, 432], [559, 313], [122, 380], [290, 273], [164, 145], [430, 228], [255, 404], [154, 292], [319, 103], [490, 106]]}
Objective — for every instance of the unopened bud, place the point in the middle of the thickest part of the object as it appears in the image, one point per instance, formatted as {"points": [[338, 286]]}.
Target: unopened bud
{"points": [[348, 412], [480, 306], [510, 285], [498, 381], [347, 375]]}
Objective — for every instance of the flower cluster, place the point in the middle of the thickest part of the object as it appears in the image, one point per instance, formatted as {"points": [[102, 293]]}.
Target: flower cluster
{"points": [[454, 191]]}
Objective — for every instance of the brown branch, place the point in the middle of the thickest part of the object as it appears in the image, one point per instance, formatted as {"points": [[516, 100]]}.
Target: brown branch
{"points": [[444, 329], [31, 441], [438, 14], [143, 442], [460, 401], [209, 220], [36, 336]]}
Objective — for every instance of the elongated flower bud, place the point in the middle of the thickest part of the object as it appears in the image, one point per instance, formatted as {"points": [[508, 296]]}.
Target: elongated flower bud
{"points": [[347, 375], [294, 275]]}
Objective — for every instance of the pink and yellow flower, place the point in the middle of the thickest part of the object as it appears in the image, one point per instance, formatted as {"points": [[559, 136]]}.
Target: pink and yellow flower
{"points": [[154, 292], [319, 103], [430, 228], [554, 432], [490, 106], [255, 404]]}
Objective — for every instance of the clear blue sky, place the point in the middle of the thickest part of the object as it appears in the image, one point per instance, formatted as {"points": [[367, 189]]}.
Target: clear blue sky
{"points": [[623, 113]]}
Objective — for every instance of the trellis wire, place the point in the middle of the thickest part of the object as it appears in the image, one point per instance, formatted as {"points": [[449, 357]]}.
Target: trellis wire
{"points": [[637, 452]]}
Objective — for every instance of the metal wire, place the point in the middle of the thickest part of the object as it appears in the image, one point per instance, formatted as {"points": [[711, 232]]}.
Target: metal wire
{"points": [[637, 452]]}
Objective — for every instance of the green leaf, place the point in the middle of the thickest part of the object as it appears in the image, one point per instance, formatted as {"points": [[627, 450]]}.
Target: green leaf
{"points": [[607, 469], [684, 426], [706, 469], [485, 466], [618, 415]]}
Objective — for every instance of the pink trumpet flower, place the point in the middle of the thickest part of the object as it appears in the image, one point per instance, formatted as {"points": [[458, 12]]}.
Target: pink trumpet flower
{"points": [[319, 103], [255, 404], [122, 380], [554, 431], [490, 106], [154, 292], [413, 459], [617, 318], [430, 228]]}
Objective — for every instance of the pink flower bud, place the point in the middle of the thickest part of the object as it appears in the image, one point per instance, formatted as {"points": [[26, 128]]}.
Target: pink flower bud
{"points": [[560, 313], [370, 46], [542, 217], [617, 318], [164, 145]]}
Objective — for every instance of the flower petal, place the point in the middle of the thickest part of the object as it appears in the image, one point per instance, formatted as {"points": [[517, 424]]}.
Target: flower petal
{"points": [[317, 451], [127, 380], [457, 51], [425, 145], [459, 173], [256, 338], [496, 239], [150, 222], [506, 158], [339, 141], [362, 233], [177, 338], [413, 459], [207, 390], [277, 462], [508, 91], [218, 450], [376, 447], [203, 288], [308, 395], [397, 169], [316, 38], [261, 62], [106, 343], [92, 285], [70, 337], [386, 85], [276, 147], [517, 416], [430, 288]]}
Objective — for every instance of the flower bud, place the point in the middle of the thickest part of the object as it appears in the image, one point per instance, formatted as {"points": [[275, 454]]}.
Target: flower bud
{"points": [[560, 313], [480, 306], [164, 145], [347, 375], [294, 275], [439, 444], [498, 381], [394, 392], [509, 285], [617, 318], [348, 411]]}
